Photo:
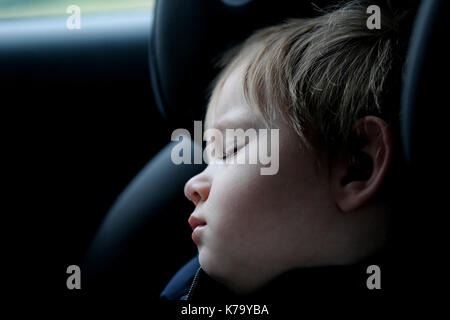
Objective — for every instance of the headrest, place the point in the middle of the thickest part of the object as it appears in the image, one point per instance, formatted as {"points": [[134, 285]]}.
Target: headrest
{"points": [[425, 92], [424, 117], [188, 36]]}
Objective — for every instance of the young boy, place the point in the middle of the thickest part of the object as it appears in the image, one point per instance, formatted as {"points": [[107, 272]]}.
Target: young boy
{"points": [[331, 86]]}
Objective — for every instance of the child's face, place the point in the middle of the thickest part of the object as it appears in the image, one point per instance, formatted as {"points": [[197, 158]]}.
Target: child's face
{"points": [[258, 226]]}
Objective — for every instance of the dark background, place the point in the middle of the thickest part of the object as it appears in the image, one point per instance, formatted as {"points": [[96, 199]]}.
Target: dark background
{"points": [[79, 123]]}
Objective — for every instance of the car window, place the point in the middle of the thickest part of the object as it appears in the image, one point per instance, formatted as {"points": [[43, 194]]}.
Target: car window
{"points": [[11, 9]]}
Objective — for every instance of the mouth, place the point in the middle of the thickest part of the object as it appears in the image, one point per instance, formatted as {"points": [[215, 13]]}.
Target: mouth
{"points": [[197, 226], [195, 222]]}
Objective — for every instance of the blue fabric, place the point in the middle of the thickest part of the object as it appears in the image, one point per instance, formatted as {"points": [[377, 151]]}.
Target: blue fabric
{"points": [[346, 281], [179, 285]]}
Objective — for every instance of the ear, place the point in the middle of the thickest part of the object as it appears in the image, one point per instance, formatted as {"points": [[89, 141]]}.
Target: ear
{"points": [[357, 175]]}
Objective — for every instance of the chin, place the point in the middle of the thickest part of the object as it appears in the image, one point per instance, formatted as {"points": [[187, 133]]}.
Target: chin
{"points": [[213, 266], [207, 261], [224, 273]]}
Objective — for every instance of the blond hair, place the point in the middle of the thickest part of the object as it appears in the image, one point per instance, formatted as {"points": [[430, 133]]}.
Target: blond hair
{"points": [[323, 73]]}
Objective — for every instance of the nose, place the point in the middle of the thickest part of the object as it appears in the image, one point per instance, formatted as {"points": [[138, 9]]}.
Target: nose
{"points": [[197, 188]]}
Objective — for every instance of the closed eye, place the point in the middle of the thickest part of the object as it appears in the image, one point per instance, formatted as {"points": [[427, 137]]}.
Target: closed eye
{"points": [[229, 154]]}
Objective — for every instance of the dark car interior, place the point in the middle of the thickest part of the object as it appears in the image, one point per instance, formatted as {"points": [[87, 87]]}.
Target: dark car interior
{"points": [[100, 104]]}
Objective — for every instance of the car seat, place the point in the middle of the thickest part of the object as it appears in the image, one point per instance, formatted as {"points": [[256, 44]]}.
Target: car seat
{"points": [[144, 238]]}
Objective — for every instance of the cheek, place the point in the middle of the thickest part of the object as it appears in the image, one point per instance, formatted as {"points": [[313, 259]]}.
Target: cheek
{"points": [[258, 213], [235, 196], [244, 209]]}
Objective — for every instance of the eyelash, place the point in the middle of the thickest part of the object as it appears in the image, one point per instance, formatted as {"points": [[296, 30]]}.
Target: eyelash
{"points": [[225, 155]]}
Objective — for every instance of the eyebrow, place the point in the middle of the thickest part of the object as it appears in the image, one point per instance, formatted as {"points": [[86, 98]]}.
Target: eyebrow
{"points": [[242, 117]]}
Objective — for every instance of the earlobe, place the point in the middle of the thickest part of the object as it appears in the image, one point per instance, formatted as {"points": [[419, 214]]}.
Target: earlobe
{"points": [[357, 176]]}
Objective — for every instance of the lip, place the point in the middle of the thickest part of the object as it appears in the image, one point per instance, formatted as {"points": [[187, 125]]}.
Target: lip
{"points": [[197, 225], [195, 222]]}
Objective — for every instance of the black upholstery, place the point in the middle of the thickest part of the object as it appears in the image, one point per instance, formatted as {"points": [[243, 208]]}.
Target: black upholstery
{"points": [[425, 88], [138, 243], [188, 35], [425, 137]]}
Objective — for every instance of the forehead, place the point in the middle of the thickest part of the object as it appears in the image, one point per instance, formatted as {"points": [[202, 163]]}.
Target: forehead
{"points": [[228, 103]]}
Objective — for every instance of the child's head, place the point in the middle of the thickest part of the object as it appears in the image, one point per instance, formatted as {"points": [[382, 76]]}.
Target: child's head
{"points": [[330, 85]]}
